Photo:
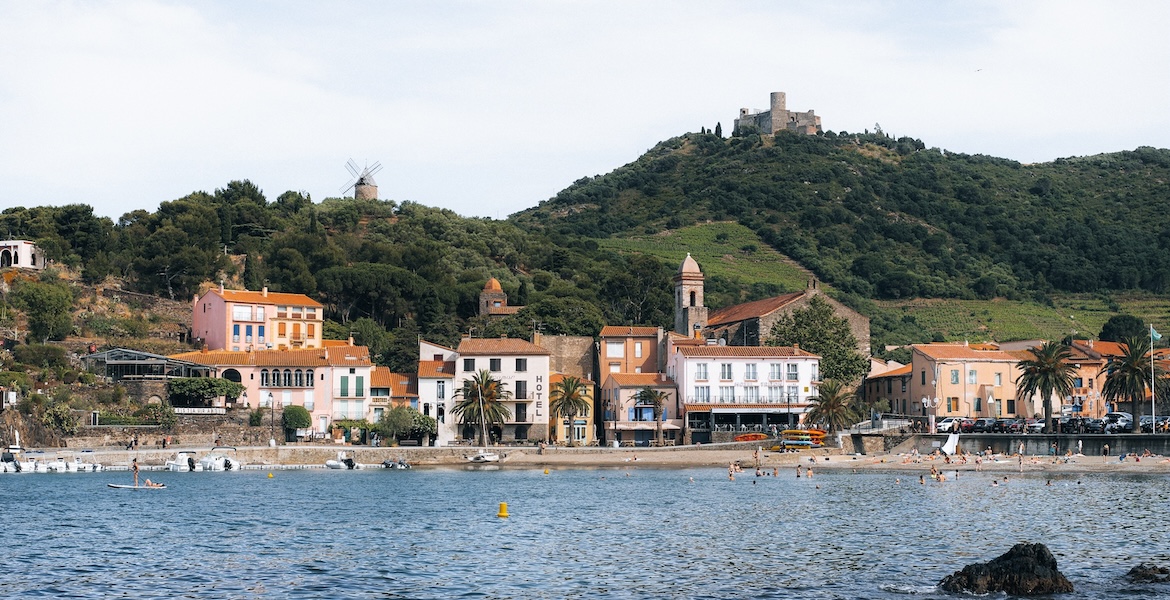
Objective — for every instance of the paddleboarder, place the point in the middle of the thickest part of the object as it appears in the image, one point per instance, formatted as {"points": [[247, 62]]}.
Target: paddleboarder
{"points": [[134, 467]]}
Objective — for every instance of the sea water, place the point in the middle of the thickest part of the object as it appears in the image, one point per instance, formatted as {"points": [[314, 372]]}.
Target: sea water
{"points": [[577, 533]]}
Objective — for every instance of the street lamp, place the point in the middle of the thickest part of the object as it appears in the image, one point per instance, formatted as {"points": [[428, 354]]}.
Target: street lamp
{"points": [[931, 403], [271, 421]]}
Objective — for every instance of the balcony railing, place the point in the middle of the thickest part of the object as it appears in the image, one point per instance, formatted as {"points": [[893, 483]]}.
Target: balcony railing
{"points": [[782, 400], [349, 393]]}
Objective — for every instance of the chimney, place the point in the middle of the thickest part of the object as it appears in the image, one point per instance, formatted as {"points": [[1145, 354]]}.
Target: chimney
{"points": [[536, 337], [350, 337], [221, 286], [264, 291]]}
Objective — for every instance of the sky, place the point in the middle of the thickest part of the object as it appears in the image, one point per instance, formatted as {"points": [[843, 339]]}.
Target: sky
{"points": [[488, 108]]}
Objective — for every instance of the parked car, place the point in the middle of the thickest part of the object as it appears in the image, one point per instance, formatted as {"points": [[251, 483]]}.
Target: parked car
{"points": [[1035, 425], [948, 425], [1094, 426], [967, 425], [1072, 425], [1017, 426], [1146, 423], [984, 425], [1118, 422]]}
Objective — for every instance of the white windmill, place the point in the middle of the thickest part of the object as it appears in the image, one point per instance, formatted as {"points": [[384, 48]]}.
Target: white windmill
{"points": [[364, 187]]}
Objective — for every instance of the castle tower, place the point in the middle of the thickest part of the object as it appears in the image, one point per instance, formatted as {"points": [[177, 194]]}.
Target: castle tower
{"points": [[492, 296], [689, 313], [779, 111]]}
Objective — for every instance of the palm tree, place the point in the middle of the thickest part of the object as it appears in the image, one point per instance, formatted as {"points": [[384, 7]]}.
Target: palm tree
{"points": [[1127, 376], [568, 398], [481, 403], [656, 400], [1048, 372], [832, 405]]}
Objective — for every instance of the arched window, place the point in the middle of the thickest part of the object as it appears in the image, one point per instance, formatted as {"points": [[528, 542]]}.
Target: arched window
{"points": [[288, 378], [300, 378], [264, 378], [309, 378], [692, 298]]}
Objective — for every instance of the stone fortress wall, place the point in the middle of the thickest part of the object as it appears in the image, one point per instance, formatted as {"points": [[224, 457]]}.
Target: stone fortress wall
{"points": [[778, 118]]}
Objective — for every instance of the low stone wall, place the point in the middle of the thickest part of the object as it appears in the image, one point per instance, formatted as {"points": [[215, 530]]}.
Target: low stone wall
{"points": [[1041, 444]]}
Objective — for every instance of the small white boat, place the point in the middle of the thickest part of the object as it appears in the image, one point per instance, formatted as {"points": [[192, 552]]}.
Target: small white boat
{"points": [[400, 464], [343, 461], [483, 457], [218, 461], [183, 462]]}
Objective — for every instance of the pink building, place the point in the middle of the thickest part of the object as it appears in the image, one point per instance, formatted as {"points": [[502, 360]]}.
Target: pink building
{"points": [[241, 320], [335, 382]]}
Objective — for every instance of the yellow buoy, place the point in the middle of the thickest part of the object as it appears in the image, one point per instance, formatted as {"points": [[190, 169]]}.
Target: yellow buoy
{"points": [[503, 514], [270, 475], [546, 471]]}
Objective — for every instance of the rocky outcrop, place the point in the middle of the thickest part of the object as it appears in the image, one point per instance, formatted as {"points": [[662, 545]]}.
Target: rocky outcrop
{"points": [[1025, 570], [1147, 573]]}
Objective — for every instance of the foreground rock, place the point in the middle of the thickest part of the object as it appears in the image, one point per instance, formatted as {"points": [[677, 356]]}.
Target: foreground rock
{"points": [[1025, 570], [1147, 573]]}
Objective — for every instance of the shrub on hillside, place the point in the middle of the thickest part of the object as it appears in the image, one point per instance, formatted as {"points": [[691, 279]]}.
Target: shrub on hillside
{"points": [[41, 355]]}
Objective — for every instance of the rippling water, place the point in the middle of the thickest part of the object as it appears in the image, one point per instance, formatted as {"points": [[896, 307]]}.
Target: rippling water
{"points": [[573, 533]]}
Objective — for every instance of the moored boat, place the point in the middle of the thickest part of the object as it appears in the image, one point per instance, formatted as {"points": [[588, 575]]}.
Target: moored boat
{"points": [[483, 457]]}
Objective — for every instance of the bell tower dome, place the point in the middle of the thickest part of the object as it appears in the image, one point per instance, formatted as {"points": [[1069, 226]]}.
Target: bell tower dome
{"points": [[689, 313]]}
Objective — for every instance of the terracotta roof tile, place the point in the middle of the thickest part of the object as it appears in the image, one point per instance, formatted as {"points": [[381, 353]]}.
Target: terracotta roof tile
{"points": [[272, 298], [899, 372], [961, 352], [380, 378], [628, 331], [641, 380], [355, 356], [436, 369], [743, 351], [499, 346], [403, 385], [750, 310], [504, 310], [554, 378]]}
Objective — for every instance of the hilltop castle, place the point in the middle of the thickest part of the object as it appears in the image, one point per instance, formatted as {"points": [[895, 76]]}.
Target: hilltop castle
{"points": [[778, 118]]}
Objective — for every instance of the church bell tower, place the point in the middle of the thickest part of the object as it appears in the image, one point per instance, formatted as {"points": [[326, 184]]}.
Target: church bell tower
{"points": [[690, 316]]}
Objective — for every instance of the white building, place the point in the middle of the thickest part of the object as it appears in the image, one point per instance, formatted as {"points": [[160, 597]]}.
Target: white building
{"points": [[436, 389], [21, 253], [729, 390]]}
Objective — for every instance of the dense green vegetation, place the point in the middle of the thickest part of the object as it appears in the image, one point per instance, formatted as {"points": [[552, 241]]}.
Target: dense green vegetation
{"points": [[929, 244]]}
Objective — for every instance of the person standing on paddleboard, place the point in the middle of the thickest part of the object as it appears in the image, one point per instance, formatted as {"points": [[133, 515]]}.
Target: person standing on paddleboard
{"points": [[134, 467]]}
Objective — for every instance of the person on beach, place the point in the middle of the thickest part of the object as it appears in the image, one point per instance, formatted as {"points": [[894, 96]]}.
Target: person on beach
{"points": [[978, 463], [1020, 459], [134, 468], [1105, 453], [921, 480]]}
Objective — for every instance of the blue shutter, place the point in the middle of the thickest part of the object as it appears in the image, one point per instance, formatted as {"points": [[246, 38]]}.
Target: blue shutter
{"points": [[631, 415]]}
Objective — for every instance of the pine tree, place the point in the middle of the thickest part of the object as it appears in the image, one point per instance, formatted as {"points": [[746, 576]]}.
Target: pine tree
{"points": [[719, 130]]}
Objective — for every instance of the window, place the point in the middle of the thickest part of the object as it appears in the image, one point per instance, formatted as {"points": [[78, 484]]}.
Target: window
{"points": [[288, 378], [296, 312], [311, 313], [441, 390], [637, 349], [260, 334], [904, 385], [1011, 406], [260, 314], [978, 404], [952, 404], [750, 372], [521, 365], [299, 378], [701, 371], [702, 393], [521, 390], [725, 371], [615, 367], [494, 364], [248, 334], [972, 376], [816, 371], [793, 373], [775, 393], [751, 394], [241, 312], [1077, 381], [344, 386], [264, 378], [280, 330], [776, 373], [281, 312], [309, 400], [999, 380], [296, 331], [615, 349], [309, 378], [924, 377], [793, 396], [468, 364], [312, 329], [522, 413], [726, 393], [954, 376], [235, 333], [889, 385]]}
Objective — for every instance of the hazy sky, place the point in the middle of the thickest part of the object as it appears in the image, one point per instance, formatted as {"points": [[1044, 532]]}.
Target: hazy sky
{"points": [[488, 108]]}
